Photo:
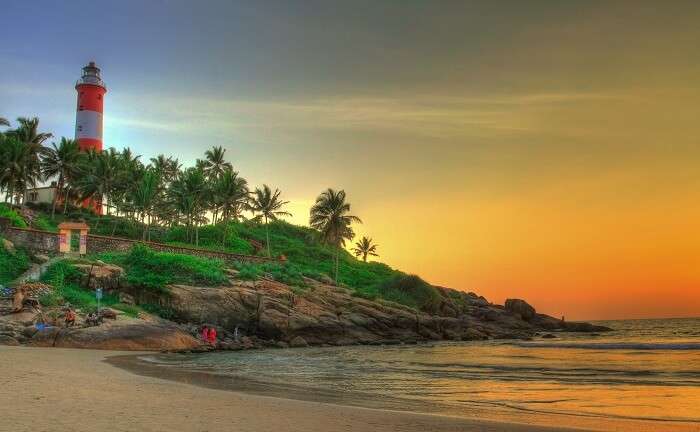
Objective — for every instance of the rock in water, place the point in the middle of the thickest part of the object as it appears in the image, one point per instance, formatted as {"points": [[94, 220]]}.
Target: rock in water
{"points": [[521, 307]]}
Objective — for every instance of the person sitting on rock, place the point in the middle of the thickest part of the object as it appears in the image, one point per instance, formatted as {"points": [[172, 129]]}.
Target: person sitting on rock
{"points": [[70, 318]]}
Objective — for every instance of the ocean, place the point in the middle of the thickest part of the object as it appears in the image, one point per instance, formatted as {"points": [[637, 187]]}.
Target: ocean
{"points": [[645, 375]]}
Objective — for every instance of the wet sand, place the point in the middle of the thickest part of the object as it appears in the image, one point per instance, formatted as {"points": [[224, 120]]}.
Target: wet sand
{"points": [[49, 389]]}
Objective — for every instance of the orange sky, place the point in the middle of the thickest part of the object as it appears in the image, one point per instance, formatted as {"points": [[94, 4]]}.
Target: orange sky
{"points": [[542, 150]]}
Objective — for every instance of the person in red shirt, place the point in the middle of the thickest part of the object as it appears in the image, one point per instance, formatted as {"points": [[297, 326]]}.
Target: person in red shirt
{"points": [[211, 336], [205, 333]]}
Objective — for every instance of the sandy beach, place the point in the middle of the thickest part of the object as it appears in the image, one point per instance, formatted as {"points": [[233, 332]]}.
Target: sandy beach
{"points": [[45, 389]]}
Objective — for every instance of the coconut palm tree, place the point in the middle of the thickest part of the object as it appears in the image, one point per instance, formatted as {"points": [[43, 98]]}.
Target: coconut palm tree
{"points": [[232, 195], [365, 248], [62, 161], [214, 162], [268, 204], [13, 163], [329, 215], [144, 199], [188, 195], [4, 122], [28, 133], [98, 176], [167, 168]]}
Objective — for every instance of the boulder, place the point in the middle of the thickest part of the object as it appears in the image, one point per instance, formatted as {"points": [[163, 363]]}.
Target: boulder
{"points": [[8, 246], [41, 258], [123, 335], [127, 299], [8, 340], [105, 276], [521, 307], [298, 342]]}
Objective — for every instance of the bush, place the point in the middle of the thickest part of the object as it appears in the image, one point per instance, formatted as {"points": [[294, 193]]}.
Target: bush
{"points": [[12, 265], [152, 270], [412, 291], [15, 219], [65, 280]]}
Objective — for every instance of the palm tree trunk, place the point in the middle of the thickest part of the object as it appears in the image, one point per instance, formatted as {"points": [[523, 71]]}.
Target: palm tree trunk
{"points": [[65, 201], [59, 186], [267, 236]]}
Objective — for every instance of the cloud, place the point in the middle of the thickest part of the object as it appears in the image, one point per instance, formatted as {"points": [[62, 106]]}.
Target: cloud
{"points": [[426, 116]]}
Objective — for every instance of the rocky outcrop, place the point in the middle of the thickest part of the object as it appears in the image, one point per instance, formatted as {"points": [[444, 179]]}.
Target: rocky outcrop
{"points": [[326, 314], [101, 275], [520, 307], [126, 335]]}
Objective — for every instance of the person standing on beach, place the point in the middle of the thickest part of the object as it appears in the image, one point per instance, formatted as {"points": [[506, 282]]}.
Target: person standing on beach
{"points": [[212, 336]]}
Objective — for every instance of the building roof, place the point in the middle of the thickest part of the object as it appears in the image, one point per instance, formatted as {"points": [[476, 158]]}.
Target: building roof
{"points": [[73, 226]]}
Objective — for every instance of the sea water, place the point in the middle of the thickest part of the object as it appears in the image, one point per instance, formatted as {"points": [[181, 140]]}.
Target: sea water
{"points": [[644, 375]]}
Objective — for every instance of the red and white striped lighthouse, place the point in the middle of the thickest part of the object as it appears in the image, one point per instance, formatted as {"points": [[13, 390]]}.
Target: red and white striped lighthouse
{"points": [[88, 119]]}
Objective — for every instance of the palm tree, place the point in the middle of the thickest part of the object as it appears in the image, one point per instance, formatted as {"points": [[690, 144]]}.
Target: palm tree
{"points": [[188, 194], [28, 133], [365, 248], [98, 175], [62, 161], [232, 194], [329, 215], [13, 163], [144, 197], [214, 163], [4, 122], [268, 204], [168, 168]]}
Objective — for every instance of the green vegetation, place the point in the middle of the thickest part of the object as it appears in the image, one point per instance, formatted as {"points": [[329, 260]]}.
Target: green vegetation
{"points": [[15, 219], [153, 271], [12, 264], [202, 205], [65, 280], [409, 290]]}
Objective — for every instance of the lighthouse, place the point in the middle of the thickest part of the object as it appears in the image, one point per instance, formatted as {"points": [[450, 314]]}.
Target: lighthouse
{"points": [[88, 119]]}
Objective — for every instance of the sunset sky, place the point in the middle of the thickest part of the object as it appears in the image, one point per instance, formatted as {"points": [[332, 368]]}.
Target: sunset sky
{"points": [[543, 150]]}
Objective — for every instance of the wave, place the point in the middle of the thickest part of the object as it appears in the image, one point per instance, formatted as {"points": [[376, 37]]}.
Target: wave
{"points": [[631, 346]]}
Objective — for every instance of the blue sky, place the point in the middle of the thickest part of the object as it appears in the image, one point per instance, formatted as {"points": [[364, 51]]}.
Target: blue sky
{"points": [[479, 141]]}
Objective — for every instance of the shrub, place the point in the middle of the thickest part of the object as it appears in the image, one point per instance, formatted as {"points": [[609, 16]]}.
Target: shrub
{"points": [[412, 291], [65, 280], [152, 270], [12, 264], [15, 219]]}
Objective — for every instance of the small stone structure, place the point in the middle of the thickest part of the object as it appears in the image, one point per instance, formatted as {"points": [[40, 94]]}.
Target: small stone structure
{"points": [[65, 232], [48, 242]]}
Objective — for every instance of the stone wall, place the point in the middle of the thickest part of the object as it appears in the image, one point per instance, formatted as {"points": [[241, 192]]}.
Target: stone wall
{"points": [[98, 243], [47, 242], [35, 240]]}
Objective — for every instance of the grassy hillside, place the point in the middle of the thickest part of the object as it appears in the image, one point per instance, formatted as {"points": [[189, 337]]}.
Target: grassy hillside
{"points": [[306, 257], [12, 264]]}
